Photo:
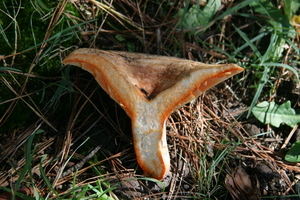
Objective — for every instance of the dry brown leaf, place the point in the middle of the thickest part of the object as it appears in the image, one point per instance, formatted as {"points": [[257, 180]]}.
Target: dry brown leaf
{"points": [[241, 186]]}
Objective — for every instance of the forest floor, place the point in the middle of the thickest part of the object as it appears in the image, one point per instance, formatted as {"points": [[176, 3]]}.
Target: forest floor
{"points": [[63, 137]]}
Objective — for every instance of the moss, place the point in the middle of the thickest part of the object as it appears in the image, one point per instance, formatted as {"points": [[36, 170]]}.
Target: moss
{"points": [[28, 31], [25, 34]]}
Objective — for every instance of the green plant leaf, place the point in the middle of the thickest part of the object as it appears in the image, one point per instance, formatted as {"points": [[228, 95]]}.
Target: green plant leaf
{"points": [[197, 17], [291, 7], [293, 155], [120, 38], [271, 113], [274, 16]]}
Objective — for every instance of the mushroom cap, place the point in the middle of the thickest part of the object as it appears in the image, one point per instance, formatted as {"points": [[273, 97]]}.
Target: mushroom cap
{"points": [[150, 88]]}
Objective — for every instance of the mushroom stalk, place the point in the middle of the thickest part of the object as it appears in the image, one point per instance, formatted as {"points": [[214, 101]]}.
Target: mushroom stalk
{"points": [[150, 143]]}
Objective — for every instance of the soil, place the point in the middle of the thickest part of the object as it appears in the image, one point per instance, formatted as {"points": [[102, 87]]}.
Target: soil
{"points": [[216, 151]]}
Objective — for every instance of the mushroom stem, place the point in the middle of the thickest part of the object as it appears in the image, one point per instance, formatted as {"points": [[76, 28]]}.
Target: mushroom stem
{"points": [[150, 144]]}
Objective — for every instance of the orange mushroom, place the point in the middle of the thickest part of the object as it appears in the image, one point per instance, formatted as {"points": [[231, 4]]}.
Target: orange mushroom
{"points": [[149, 88]]}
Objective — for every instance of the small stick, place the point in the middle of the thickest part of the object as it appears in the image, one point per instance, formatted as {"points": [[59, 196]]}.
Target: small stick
{"points": [[289, 137]]}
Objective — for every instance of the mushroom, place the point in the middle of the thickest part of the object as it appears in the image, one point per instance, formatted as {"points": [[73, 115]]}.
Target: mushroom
{"points": [[149, 88]]}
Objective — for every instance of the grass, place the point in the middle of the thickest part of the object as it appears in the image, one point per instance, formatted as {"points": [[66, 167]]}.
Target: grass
{"points": [[54, 116]]}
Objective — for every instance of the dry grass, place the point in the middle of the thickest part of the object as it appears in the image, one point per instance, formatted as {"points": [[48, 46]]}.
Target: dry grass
{"points": [[82, 139]]}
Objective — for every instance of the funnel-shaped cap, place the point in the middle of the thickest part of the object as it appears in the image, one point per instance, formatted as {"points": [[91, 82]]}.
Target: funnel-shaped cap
{"points": [[150, 88]]}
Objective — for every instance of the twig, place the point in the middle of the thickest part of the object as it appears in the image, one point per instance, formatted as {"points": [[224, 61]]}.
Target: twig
{"points": [[289, 137], [82, 162]]}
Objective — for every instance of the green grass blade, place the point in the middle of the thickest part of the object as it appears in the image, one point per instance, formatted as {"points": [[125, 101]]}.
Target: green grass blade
{"points": [[4, 36], [256, 38], [282, 65], [259, 89], [248, 41], [42, 5], [28, 157], [45, 178], [9, 68], [66, 32], [270, 50], [235, 8], [293, 45]]}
